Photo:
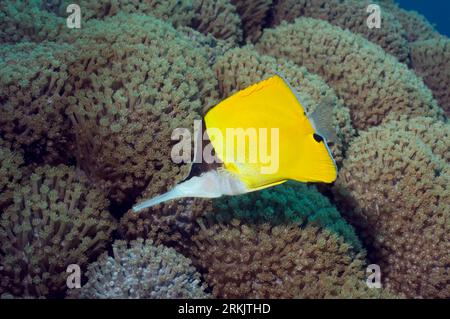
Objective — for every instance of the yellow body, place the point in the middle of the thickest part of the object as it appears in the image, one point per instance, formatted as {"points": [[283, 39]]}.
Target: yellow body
{"points": [[269, 109], [272, 104]]}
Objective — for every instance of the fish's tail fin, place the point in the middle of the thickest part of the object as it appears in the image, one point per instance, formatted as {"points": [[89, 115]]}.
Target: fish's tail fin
{"points": [[211, 184], [322, 118]]}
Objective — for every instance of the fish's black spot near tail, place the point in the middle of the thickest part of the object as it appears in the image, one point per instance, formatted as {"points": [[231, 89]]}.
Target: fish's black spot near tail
{"points": [[318, 138]]}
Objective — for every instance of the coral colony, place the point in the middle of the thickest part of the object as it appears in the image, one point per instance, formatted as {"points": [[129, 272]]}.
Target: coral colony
{"points": [[86, 119]]}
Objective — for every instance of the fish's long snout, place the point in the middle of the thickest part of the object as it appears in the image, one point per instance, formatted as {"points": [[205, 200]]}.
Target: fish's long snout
{"points": [[172, 194], [211, 184]]}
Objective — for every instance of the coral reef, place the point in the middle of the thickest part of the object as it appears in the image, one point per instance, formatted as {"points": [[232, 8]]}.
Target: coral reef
{"points": [[284, 261], [57, 219], [177, 12], [218, 18], [289, 203], [240, 67], [252, 13], [394, 186], [86, 123], [347, 14], [431, 60], [25, 20], [372, 83], [36, 20], [131, 92], [212, 46], [171, 224], [141, 270], [34, 90], [435, 134], [10, 174]]}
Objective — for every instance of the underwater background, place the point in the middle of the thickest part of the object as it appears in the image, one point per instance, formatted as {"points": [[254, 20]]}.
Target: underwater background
{"points": [[86, 116], [436, 13]]}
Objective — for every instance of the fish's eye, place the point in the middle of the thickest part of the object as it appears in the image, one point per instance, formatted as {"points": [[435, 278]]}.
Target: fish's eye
{"points": [[318, 138]]}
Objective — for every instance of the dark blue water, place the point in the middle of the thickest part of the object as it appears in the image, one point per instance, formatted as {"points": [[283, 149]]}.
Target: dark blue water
{"points": [[436, 11]]}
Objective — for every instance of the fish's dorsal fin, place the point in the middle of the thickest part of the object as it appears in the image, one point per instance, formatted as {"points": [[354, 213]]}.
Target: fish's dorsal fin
{"points": [[322, 119], [211, 184]]}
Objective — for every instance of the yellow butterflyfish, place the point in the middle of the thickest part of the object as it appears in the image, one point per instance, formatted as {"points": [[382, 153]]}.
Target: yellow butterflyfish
{"points": [[262, 137]]}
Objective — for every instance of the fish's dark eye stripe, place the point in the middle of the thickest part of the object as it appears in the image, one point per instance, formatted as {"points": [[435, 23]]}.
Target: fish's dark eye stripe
{"points": [[318, 138]]}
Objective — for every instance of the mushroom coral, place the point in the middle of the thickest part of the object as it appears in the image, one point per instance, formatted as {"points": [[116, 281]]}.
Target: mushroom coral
{"points": [[26, 20], [10, 174], [289, 203], [218, 18], [171, 224], [253, 14], [351, 15], [435, 134], [215, 47], [431, 60], [394, 188], [140, 269], [176, 12], [37, 20], [57, 219], [174, 223], [136, 80], [241, 67], [372, 83], [34, 90], [284, 261]]}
